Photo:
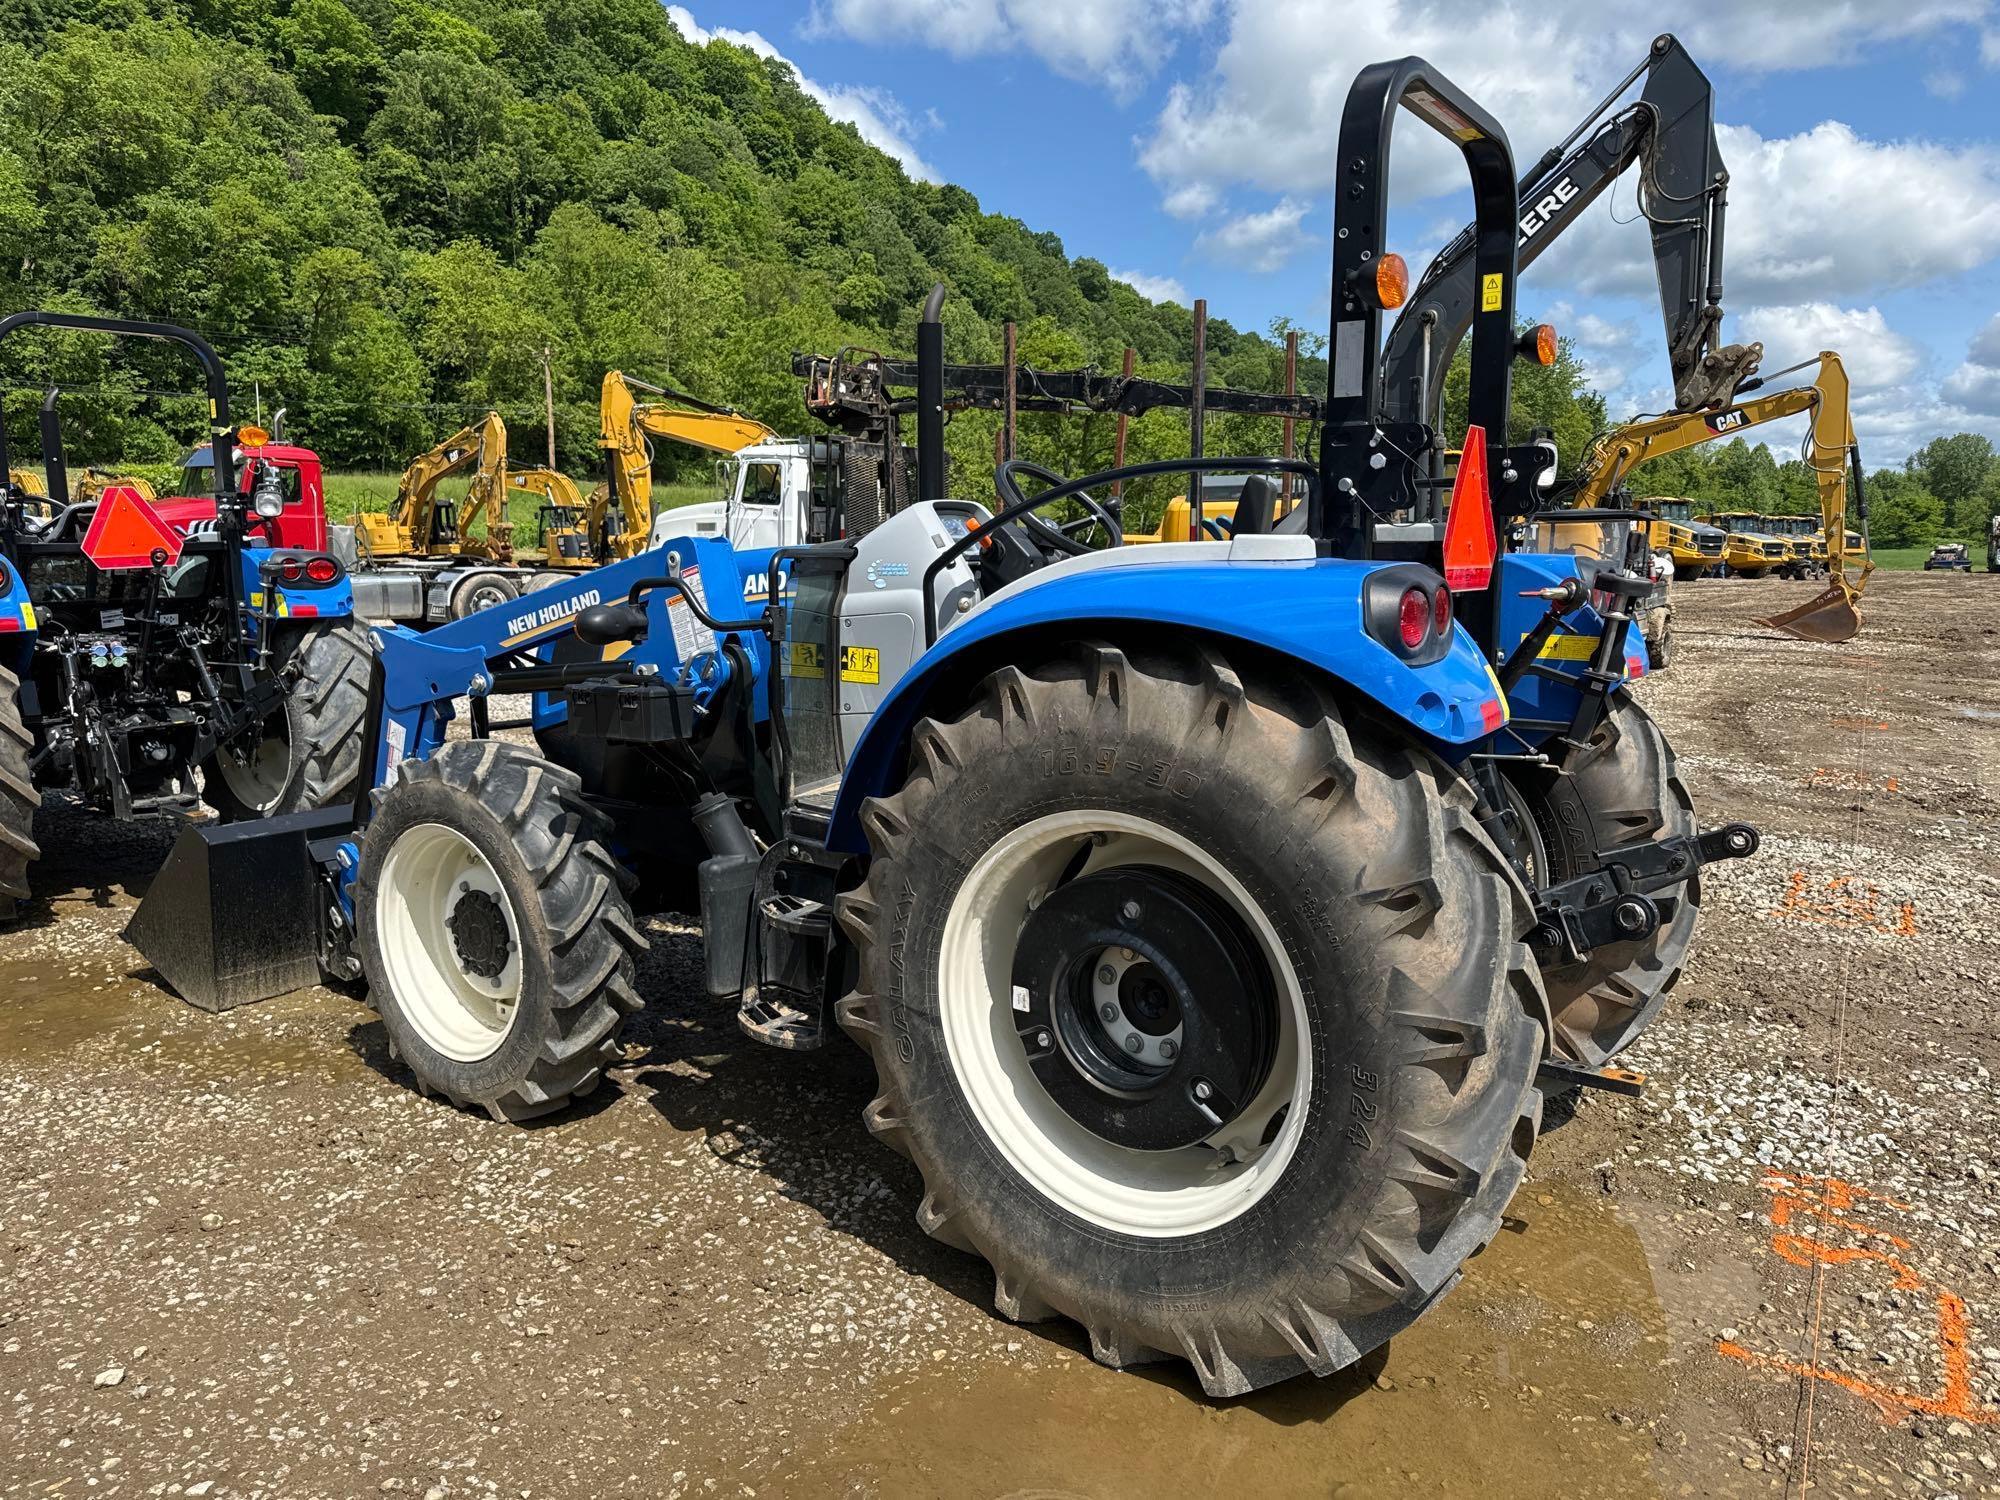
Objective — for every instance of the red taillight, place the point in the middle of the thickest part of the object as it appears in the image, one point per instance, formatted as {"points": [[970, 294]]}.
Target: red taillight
{"points": [[322, 570], [1414, 618], [291, 570], [1441, 612]]}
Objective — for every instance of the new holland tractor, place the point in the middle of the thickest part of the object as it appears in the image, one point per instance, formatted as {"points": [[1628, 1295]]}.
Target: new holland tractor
{"points": [[1216, 915], [144, 668]]}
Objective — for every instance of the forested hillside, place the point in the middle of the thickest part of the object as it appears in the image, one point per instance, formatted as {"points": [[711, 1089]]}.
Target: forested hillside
{"points": [[387, 213]]}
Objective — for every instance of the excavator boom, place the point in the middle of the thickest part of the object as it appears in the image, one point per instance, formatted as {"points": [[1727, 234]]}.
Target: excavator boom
{"points": [[1830, 450], [1683, 189], [620, 511]]}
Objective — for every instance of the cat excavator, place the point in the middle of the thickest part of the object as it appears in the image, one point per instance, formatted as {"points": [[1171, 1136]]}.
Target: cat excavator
{"points": [[619, 516], [421, 523], [1829, 450]]}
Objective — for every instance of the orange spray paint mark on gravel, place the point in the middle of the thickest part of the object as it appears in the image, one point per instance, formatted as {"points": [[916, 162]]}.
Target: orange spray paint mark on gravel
{"points": [[1832, 1203], [1839, 723], [1848, 901], [1826, 776]]}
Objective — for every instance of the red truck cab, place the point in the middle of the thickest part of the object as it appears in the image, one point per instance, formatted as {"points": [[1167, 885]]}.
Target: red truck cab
{"points": [[303, 523]]}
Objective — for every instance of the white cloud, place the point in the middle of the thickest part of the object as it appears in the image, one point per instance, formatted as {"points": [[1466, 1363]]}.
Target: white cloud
{"points": [[1257, 242], [1153, 288], [1824, 213], [1117, 42], [875, 114], [1268, 112], [1876, 356], [1975, 384], [1191, 200], [1989, 48], [1944, 83]]}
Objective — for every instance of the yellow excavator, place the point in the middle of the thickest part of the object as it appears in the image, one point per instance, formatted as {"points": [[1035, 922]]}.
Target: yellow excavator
{"points": [[619, 518], [92, 483], [421, 523], [1830, 451]]}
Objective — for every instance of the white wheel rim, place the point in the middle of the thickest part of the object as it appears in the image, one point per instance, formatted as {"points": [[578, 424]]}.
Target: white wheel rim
{"points": [[459, 1013], [1153, 1194], [259, 781]]}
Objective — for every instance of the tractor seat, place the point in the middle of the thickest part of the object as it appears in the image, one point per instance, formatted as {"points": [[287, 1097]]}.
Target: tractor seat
{"points": [[1256, 506]]}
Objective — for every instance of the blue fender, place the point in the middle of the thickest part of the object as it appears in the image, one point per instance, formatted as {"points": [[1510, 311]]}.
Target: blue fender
{"points": [[1546, 693], [1307, 609], [19, 624], [300, 601]]}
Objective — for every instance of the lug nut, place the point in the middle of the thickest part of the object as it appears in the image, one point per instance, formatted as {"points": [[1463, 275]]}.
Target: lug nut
{"points": [[1107, 975], [1041, 1039], [1132, 1042], [1201, 1088], [1129, 911], [1168, 1050], [1108, 1011]]}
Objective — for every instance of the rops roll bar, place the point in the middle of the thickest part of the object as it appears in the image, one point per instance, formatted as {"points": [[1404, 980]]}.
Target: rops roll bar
{"points": [[1365, 469], [221, 432]]}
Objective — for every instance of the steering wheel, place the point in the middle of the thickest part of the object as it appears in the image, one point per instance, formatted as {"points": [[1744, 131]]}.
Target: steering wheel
{"points": [[1056, 537]]}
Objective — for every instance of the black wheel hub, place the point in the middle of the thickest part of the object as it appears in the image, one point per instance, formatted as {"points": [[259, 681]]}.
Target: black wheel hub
{"points": [[479, 933], [1144, 1007]]}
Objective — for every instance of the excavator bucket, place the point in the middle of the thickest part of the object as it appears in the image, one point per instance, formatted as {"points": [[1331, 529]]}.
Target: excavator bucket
{"points": [[1831, 617]]}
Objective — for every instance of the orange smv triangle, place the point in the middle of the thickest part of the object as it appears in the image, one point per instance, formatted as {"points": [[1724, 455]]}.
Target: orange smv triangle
{"points": [[126, 532], [1469, 538]]}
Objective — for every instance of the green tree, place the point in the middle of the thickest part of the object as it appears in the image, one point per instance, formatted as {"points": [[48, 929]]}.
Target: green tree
{"points": [[1956, 470], [1901, 511]]}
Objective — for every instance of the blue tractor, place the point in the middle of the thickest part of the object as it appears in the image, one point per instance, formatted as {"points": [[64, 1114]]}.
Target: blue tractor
{"points": [[1217, 915], [148, 668]]}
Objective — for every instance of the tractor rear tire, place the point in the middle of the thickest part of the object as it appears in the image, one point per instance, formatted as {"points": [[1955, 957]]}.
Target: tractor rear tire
{"points": [[18, 797], [1623, 788], [1377, 933], [311, 753], [494, 930]]}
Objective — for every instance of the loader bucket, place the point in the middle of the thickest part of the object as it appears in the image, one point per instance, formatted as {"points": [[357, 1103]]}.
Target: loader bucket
{"points": [[233, 915]]}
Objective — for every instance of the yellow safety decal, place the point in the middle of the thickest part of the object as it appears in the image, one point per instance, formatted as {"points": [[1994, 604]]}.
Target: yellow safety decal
{"points": [[1506, 708], [28, 617], [1489, 291], [860, 664], [807, 660], [1568, 648]]}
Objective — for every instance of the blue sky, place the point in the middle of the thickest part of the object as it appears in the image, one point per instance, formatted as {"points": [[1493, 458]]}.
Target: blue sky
{"points": [[1188, 145]]}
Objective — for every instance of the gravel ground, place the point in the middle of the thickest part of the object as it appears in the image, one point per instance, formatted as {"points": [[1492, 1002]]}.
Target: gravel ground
{"points": [[239, 1257]]}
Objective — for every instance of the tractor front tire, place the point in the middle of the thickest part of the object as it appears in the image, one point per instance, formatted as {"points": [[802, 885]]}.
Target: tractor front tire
{"points": [[1623, 788], [310, 754], [1311, 1094], [18, 797], [494, 929]]}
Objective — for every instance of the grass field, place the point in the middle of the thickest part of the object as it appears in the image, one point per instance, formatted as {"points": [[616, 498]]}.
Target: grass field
{"points": [[1903, 558]]}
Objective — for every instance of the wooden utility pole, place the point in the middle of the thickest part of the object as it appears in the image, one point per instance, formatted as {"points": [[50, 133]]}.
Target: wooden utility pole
{"points": [[1291, 389], [1197, 413], [549, 402], [1008, 386]]}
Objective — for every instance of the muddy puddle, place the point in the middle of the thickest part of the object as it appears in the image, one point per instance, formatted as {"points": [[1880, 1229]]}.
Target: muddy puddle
{"points": [[57, 1010], [1544, 1372]]}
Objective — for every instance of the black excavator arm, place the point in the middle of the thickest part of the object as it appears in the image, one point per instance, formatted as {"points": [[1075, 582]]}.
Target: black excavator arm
{"points": [[1669, 132]]}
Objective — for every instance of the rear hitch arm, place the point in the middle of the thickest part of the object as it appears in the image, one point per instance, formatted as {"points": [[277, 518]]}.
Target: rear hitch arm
{"points": [[1626, 898]]}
